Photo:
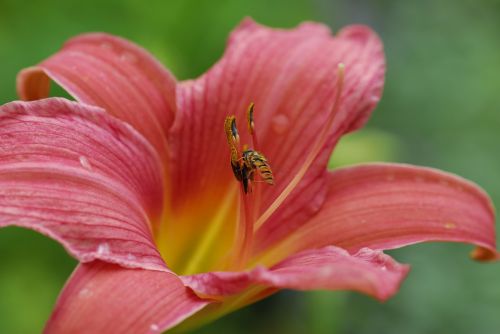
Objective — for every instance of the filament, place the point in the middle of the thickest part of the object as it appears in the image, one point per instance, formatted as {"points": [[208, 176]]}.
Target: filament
{"points": [[244, 239], [311, 156]]}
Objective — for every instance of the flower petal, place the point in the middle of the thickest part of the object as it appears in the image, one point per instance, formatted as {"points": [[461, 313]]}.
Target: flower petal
{"points": [[360, 49], [291, 77], [332, 268], [82, 177], [105, 298], [386, 206], [112, 73]]}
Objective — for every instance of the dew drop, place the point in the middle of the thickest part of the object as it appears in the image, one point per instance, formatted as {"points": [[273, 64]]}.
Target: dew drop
{"points": [[450, 225], [85, 293], [198, 87], [85, 163], [154, 327], [103, 249], [325, 272], [128, 57], [280, 124], [106, 45]]}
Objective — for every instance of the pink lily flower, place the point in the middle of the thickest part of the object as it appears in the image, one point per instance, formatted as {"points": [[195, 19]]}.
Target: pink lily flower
{"points": [[135, 180]]}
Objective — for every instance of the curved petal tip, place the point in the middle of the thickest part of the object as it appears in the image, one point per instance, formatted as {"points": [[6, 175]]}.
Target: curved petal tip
{"points": [[484, 254], [32, 84]]}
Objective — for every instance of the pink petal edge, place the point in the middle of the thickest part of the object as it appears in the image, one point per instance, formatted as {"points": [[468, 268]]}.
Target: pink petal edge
{"points": [[113, 73], [331, 268], [81, 177], [105, 298]]}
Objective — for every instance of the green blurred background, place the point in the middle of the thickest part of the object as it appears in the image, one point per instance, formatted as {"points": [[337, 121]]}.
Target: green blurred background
{"points": [[440, 108]]}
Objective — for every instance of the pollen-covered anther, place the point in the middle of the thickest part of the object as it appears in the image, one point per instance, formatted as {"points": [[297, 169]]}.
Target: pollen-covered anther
{"points": [[250, 121], [251, 125], [233, 138]]}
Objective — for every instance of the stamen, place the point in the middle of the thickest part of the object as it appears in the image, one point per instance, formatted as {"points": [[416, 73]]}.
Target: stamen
{"points": [[251, 125], [251, 130], [244, 233], [233, 140], [323, 136], [245, 164]]}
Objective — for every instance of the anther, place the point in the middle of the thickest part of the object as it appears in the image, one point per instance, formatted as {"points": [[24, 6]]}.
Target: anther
{"points": [[251, 125], [233, 138], [250, 121]]}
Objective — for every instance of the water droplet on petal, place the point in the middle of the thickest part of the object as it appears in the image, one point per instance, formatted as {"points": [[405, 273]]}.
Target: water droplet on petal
{"points": [[325, 272], [128, 57], [85, 163], [450, 225], [280, 124], [154, 327], [106, 45], [103, 249], [85, 293]]}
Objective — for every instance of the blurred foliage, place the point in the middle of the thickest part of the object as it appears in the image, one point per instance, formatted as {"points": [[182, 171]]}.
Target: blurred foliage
{"points": [[440, 108], [33, 270], [367, 145]]}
